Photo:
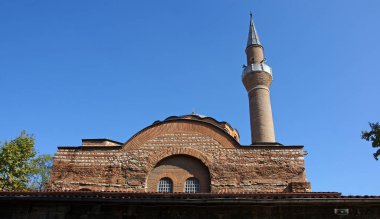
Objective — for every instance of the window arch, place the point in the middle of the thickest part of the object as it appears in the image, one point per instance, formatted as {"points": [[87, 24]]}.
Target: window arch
{"points": [[192, 185], [165, 185]]}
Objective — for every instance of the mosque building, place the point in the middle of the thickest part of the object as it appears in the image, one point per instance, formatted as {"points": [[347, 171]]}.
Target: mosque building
{"points": [[189, 166]]}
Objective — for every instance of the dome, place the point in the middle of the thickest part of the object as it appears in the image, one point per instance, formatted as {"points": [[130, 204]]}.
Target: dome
{"points": [[222, 125]]}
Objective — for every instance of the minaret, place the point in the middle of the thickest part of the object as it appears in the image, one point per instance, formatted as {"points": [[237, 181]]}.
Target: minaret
{"points": [[257, 78]]}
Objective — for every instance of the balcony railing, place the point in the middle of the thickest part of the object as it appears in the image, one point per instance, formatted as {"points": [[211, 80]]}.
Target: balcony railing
{"points": [[256, 67]]}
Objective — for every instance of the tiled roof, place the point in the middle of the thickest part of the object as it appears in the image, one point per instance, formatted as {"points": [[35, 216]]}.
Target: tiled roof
{"points": [[309, 197]]}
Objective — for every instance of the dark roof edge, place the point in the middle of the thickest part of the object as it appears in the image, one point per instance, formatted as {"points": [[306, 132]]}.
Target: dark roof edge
{"points": [[186, 198], [101, 139], [91, 147], [175, 194], [247, 147], [282, 147]]}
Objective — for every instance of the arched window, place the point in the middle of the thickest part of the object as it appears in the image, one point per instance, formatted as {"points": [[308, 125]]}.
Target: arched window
{"points": [[165, 185], [192, 185]]}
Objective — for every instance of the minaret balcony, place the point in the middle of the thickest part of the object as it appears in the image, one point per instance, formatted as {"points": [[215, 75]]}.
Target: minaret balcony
{"points": [[252, 68]]}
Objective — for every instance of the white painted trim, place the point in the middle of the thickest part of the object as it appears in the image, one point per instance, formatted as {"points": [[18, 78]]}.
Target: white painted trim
{"points": [[259, 87]]}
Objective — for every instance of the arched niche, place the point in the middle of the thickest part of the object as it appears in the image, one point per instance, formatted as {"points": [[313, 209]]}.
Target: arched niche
{"points": [[179, 168]]}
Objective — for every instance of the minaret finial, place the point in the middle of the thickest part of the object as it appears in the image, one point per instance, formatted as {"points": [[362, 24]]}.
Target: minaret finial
{"points": [[253, 37]]}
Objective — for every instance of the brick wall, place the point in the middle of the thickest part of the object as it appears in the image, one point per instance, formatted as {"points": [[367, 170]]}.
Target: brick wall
{"points": [[232, 167]]}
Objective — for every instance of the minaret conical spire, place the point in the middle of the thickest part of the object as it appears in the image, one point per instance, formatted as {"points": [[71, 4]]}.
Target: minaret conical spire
{"points": [[253, 37], [257, 78]]}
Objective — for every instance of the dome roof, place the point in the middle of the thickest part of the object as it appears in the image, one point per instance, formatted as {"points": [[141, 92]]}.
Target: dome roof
{"points": [[226, 127]]}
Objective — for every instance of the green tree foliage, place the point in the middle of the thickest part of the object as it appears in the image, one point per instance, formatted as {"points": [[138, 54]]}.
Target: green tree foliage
{"points": [[15, 157], [19, 166], [41, 167], [374, 136]]}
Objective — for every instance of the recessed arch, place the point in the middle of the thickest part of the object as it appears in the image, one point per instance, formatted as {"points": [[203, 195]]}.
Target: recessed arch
{"points": [[179, 168]]}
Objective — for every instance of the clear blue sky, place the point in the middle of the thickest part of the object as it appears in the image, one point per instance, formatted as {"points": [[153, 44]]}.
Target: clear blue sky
{"points": [[106, 69]]}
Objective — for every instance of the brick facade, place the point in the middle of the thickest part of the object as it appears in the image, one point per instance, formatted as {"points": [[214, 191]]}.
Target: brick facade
{"points": [[180, 148]]}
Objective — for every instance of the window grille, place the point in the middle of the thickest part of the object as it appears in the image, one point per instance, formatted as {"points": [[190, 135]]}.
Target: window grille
{"points": [[165, 185], [192, 185]]}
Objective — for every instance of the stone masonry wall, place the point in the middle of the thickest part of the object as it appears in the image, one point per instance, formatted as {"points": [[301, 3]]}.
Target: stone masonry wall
{"points": [[232, 168]]}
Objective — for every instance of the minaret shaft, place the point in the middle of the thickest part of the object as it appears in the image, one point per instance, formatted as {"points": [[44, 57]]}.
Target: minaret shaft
{"points": [[262, 129], [257, 78]]}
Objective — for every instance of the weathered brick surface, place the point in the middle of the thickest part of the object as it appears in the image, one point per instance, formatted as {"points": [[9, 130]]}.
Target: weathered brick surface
{"points": [[208, 150]]}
